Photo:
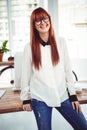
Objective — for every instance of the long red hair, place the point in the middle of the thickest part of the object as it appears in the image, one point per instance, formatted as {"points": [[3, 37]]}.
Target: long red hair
{"points": [[35, 39]]}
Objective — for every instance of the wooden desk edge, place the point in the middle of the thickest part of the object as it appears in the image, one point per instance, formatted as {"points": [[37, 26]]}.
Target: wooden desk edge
{"points": [[83, 102], [14, 108], [5, 63], [4, 111], [19, 108]]}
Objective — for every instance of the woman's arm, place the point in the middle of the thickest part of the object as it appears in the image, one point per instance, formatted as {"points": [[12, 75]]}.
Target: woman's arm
{"points": [[69, 79], [26, 75]]}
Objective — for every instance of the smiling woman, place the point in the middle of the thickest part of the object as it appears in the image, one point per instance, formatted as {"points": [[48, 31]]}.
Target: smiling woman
{"points": [[47, 74], [20, 14]]}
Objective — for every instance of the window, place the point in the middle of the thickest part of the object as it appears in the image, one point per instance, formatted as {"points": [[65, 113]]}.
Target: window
{"points": [[73, 26], [14, 27], [3, 21], [19, 22]]}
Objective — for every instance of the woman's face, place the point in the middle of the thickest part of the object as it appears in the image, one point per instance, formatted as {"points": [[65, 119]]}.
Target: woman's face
{"points": [[42, 25]]}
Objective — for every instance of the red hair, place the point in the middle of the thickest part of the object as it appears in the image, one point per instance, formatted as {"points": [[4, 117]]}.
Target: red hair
{"points": [[35, 39]]}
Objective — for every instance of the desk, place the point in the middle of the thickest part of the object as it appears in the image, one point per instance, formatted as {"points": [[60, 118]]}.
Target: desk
{"points": [[11, 102], [82, 97], [5, 63]]}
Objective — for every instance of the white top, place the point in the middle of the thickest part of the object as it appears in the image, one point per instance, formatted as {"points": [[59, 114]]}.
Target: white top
{"points": [[49, 84]]}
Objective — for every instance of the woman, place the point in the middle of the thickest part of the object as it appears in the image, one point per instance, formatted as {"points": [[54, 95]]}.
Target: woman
{"points": [[47, 75]]}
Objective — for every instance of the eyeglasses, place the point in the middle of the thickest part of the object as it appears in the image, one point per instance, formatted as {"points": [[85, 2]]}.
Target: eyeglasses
{"points": [[39, 20]]}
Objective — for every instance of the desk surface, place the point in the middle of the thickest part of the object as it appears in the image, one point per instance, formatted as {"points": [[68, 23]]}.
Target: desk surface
{"points": [[11, 102], [82, 97], [5, 63]]}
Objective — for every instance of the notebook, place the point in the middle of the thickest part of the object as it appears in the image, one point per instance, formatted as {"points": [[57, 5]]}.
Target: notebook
{"points": [[2, 92]]}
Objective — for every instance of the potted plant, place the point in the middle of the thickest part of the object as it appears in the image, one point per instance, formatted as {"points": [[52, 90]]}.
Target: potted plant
{"points": [[3, 49]]}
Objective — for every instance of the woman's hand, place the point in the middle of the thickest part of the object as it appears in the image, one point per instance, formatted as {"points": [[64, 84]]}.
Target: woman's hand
{"points": [[76, 106], [27, 107]]}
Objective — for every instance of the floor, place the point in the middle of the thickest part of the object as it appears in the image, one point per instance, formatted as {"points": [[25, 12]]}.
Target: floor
{"points": [[26, 121]]}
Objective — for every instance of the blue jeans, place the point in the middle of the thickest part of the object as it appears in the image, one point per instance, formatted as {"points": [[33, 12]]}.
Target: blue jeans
{"points": [[43, 114]]}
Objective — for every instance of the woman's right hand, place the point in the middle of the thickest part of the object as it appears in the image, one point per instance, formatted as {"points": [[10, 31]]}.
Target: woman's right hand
{"points": [[27, 107]]}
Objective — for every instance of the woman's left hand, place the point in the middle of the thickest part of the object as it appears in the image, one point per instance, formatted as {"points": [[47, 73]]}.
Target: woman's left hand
{"points": [[76, 106]]}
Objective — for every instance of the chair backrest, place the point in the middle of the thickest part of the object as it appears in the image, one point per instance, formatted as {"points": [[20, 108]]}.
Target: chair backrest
{"points": [[79, 66]]}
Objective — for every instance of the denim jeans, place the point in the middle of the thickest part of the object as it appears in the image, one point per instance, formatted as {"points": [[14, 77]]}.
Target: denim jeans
{"points": [[43, 114]]}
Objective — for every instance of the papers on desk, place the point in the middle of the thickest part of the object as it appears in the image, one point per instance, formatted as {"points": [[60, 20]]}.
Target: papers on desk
{"points": [[2, 92]]}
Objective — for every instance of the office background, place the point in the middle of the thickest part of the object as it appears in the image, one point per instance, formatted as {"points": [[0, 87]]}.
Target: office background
{"points": [[70, 21]]}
